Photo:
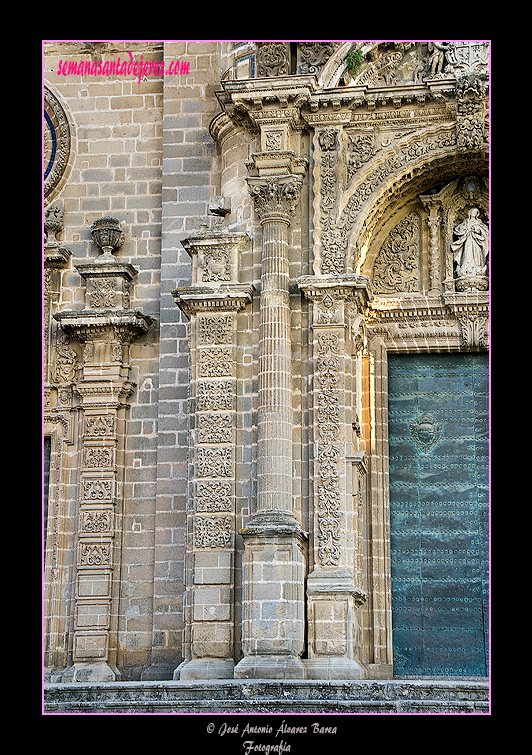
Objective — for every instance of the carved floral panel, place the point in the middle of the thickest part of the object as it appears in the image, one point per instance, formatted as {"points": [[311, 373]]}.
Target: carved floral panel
{"points": [[397, 265]]}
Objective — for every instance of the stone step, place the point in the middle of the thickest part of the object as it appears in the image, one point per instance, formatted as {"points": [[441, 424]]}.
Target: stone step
{"points": [[270, 696]]}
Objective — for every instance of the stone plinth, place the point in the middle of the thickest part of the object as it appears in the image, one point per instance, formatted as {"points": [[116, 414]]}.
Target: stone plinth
{"points": [[273, 599]]}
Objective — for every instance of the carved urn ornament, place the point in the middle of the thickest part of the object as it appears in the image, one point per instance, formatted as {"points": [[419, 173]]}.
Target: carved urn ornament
{"points": [[53, 224], [108, 236]]}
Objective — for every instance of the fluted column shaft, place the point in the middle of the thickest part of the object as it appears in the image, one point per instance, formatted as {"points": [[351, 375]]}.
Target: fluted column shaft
{"points": [[275, 201], [274, 476], [273, 563]]}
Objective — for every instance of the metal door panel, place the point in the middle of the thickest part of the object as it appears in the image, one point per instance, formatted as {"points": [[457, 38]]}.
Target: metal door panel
{"points": [[438, 444]]}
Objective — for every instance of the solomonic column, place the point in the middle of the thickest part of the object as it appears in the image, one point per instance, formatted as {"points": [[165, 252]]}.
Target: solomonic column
{"points": [[273, 567]]}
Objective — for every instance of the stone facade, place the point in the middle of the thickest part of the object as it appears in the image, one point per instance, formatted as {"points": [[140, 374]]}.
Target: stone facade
{"points": [[232, 251]]}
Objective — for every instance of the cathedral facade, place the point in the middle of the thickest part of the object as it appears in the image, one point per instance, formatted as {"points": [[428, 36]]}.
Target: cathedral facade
{"points": [[266, 361]]}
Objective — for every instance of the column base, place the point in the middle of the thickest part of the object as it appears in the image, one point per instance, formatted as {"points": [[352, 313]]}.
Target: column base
{"points": [[270, 667], [333, 668], [90, 672], [204, 668]]}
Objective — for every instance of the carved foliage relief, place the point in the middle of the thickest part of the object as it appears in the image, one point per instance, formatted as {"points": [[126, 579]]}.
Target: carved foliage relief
{"points": [[273, 59], [397, 264], [328, 449]]}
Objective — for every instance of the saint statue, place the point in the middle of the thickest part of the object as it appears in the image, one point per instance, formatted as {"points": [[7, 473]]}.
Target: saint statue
{"points": [[471, 246]]}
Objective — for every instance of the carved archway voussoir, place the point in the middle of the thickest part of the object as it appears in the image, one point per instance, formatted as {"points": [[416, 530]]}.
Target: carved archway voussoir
{"points": [[337, 63]]}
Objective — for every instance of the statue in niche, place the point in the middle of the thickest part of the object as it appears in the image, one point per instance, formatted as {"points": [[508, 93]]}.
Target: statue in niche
{"points": [[470, 248]]}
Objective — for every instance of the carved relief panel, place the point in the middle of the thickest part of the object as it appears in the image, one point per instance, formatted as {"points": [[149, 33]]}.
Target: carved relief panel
{"points": [[397, 267]]}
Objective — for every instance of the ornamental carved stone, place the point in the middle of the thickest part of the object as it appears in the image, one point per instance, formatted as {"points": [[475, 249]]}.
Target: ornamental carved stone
{"points": [[214, 495], [217, 329], [275, 199], [107, 236], [397, 264], [470, 250], [328, 448], [57, 142], [470, 113], [212, 532], [312, 56], [53, 224], [273, 59], [215, 428]]}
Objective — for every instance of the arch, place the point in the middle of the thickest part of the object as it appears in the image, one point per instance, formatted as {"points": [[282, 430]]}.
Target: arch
{"points": [[413, 165], [336, 66]]}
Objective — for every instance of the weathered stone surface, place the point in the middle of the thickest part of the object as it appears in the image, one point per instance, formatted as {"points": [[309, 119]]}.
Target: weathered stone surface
{"points": [[263, 696]]}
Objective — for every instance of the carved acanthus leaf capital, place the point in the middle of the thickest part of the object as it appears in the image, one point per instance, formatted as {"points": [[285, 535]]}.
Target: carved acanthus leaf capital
{"points": [[275, 198]]}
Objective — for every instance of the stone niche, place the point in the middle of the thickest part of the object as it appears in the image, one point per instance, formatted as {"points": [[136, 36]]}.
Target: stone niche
{"points": [[437, 243]]}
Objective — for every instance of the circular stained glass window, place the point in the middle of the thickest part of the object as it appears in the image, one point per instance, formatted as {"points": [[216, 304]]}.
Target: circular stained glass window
{"points": [[56, 147]]}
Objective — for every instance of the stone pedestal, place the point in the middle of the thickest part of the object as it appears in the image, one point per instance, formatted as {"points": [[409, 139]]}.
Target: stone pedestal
{"points": [[273, 600]]}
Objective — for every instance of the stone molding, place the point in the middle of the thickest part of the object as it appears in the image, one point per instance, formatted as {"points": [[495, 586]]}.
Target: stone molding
{"points": [[57, 142], [452, 320]]}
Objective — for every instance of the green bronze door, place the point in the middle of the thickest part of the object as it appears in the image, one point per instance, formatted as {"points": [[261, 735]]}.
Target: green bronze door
{"points": [[438, 446]]}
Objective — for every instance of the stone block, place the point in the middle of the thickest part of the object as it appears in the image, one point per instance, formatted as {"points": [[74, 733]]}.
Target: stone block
{"points": [[211, 640]]}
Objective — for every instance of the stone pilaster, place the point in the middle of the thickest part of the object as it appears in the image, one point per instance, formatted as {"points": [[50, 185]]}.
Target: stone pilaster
{"points": [[56, 257], [212, 304], [334, 585], [273, 566], [105, 328]]}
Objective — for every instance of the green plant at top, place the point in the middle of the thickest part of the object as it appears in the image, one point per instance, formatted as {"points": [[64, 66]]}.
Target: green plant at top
{"points": [[354, 61]]}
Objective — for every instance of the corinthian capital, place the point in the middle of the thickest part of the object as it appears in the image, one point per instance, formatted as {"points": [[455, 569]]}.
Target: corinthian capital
{"points": [[275, 199]]}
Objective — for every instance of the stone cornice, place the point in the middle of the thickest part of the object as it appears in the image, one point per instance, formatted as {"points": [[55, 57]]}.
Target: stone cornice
{"points": [[106, 269], [92, 323], [344, 286], [297, 100], [55, 256], [112, 394], [276, 163], [452, 320], [335, 582], [231, 296], [252, 96]]}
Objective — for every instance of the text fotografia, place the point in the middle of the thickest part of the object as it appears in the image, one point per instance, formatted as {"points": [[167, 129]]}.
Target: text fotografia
{"points": [[137, 68], [250, 746]]}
